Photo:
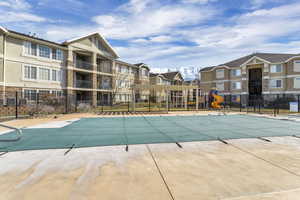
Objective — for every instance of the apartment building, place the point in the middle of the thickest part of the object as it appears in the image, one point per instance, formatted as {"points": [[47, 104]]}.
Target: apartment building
{"points": [[143, 78], [86, 69], [126, 76], [254, 75], [168, 78], [159, 79], [30, 65], [90, 69]]}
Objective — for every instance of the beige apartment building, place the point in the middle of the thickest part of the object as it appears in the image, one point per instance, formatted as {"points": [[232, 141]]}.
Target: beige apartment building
{"points": [[168, 78], [31, 65], [159, 79], [86, 69], [254, 75]]}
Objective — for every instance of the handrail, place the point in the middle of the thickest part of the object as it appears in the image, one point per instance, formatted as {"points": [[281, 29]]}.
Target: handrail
{"points": [[19, 133]]}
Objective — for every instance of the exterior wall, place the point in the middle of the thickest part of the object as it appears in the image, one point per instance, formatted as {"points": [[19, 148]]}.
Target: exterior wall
{"points": [[124, 94], [1, 44], [15, 60], [87, 47], [1, 70], [144, 80], [209, 80]]}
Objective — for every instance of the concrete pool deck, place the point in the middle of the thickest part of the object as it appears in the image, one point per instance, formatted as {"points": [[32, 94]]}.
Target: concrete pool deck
{"points": [[244, 169]]}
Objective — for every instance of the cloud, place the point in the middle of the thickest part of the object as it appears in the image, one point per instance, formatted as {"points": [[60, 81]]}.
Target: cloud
{"points": [[198, 1], [17, 11], [151, 21], [15, 4], [20, 17]]}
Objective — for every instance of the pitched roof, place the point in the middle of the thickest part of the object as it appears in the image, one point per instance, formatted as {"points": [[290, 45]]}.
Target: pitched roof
{"points": [[125, 63], [270, 57], [142, 65], [89, 35], [34, 37], [171, 75], [206, 68]]}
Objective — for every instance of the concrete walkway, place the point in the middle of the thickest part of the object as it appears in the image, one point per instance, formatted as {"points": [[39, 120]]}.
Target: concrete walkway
{"points": [[244, 169]]}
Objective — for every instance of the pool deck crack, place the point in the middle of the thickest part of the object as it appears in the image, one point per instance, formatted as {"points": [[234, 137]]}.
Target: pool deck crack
{"points": [[265, 160], [160, 172]]}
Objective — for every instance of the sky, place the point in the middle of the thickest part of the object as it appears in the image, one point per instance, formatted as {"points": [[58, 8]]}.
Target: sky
{"points": [[165, 34]]}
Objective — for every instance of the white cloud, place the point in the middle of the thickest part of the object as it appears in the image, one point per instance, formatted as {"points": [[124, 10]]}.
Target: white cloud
{"points": [[162, 38], [198, 1], [18, 11], [136, 6], [259, 3], [20, 17], [150, 30], [15, 4]]}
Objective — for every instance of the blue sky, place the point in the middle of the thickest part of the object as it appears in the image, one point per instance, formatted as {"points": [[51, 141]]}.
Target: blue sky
{"points": [[165, 34]]}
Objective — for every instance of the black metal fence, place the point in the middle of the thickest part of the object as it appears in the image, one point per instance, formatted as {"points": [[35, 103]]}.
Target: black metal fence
{"points": [[31, 103]]}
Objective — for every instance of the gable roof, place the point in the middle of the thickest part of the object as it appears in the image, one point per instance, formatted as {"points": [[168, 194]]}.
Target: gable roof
{"points": [[3, 29], [206, 68], [125, 63], [142, 65], [270, 57], [171, 75], [159, 75], [93, 34]]}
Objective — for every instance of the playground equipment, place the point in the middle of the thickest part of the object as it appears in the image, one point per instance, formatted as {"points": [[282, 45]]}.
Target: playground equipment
{"points": [[216, 99]]}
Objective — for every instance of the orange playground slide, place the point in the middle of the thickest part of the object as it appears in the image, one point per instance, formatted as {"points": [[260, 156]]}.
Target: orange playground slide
{"points": [[217, 101]]}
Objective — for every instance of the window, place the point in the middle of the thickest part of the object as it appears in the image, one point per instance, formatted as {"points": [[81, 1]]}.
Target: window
{"points": [[30, 72], [44, 74], [220, 73], [44, 51], [297, 82], [276, 68], [44, 93], [54, 75], [57, 54], [275, 83], [236, 72], [30, 95], [57, 93], [145, 72], [236, 85], [297, 66], [30, 48], [220, 86]]}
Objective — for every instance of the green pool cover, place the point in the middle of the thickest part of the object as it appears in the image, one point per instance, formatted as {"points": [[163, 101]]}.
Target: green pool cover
{"points": [[90, 132]]}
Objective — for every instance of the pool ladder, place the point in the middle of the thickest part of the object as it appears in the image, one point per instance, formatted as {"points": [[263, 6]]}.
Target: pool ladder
{"points": [[19, 134]]}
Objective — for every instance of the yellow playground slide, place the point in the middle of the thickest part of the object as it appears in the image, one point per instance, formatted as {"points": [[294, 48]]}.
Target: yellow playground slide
{"points": [[217, 101]]}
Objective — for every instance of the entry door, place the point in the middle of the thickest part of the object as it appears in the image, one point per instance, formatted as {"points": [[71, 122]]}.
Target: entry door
{"points": [[255, 83]]}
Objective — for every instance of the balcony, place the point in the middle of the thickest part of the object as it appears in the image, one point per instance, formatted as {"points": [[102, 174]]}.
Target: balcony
{"points": [[83, 65], [104, 67], [83, 84], [105, 87]]}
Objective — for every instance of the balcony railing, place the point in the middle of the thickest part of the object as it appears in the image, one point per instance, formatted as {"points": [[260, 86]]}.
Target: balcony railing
{"points": [[84, 65], [83, 84], [105, 87], [104, 68]]}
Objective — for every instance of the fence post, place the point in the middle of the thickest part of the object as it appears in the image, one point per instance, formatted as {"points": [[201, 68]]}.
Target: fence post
{"points": [[66, 103], [128, 105], [149, 103], [298, 103], [37, 102], [16, 104], [240, 103]]}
